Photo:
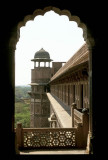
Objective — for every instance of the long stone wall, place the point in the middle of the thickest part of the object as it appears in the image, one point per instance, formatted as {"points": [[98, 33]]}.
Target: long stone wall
{"points": [[70, 84], [81, 56], [72, 92]]}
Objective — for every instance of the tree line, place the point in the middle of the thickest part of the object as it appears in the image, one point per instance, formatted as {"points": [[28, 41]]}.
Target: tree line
{"points": [[21, 92], [22, 109]]}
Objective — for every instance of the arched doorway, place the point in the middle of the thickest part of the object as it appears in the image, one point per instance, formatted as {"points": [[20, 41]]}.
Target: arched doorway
{"points": [[89, 40]]}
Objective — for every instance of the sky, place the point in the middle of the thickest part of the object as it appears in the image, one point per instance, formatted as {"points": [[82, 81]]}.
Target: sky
{"points": [[57, 35]]}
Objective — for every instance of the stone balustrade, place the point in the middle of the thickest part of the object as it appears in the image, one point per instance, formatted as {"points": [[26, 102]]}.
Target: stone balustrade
{"points": [[44, 138]]}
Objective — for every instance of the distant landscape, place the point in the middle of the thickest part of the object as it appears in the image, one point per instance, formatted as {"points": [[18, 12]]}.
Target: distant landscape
{"points": [[22, 106]]}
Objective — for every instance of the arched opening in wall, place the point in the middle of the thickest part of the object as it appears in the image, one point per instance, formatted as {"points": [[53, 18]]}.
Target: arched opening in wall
{"points": [[68, 81]]}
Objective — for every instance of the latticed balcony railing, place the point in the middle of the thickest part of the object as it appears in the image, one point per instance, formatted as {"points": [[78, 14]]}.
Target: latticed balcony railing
{"points": [[30, 138], [44, 138]]}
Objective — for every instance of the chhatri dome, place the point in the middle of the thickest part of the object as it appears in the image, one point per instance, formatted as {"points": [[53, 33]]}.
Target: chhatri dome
{"points": [[42, 56]]}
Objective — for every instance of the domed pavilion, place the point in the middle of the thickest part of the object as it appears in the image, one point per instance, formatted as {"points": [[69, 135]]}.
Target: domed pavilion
{"points": [[41, 56]]}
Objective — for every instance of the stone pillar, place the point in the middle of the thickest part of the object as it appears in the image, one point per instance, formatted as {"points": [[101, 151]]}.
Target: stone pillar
{"points": [[85, 126], [11, 70], [49, 64], [53, 124], [50, 124], [38, 64], [90, 136], [73, 106], [52, 120], [44, 64], [84, 95], [81, 96], [19, 135], [79, 139], [87, 104], [76, 94], [90, 91], [71, 95]]}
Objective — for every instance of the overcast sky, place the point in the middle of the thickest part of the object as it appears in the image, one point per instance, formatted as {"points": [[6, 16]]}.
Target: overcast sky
{"points": [[52, 32]]}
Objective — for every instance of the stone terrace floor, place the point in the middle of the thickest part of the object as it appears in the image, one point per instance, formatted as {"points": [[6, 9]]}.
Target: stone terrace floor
{"points": [[53, 152]]}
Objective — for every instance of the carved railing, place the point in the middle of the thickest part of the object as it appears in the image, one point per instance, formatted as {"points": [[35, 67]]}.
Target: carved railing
{"points": [[82, 118], [43, 138], [40, 138]]}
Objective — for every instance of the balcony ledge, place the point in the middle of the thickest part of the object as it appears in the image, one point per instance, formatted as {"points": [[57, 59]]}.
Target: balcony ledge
{"points": [[62, 111]]}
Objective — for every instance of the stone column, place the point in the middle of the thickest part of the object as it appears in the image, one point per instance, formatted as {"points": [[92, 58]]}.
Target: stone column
{"points": [[19, 135], [11, 70], [73, 106], [90, 91], [81, 100], [33, 123], [50, 124], [76, 94], [90, 134], [49, 64], [85, 126], [87, 97], [84, 94], [78, 97], [44, 64], [79, 139], [71, 95], [38, 64]]}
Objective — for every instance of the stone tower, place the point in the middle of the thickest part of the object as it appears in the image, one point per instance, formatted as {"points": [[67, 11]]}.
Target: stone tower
{"points": [[40, 76]]}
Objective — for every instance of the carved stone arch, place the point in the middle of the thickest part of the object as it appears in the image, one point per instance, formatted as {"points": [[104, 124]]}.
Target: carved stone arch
{"points": [[86, 34]]}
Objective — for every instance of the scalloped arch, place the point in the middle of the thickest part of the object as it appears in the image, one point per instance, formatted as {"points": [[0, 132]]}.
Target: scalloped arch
{"points": [[86, 34]]}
